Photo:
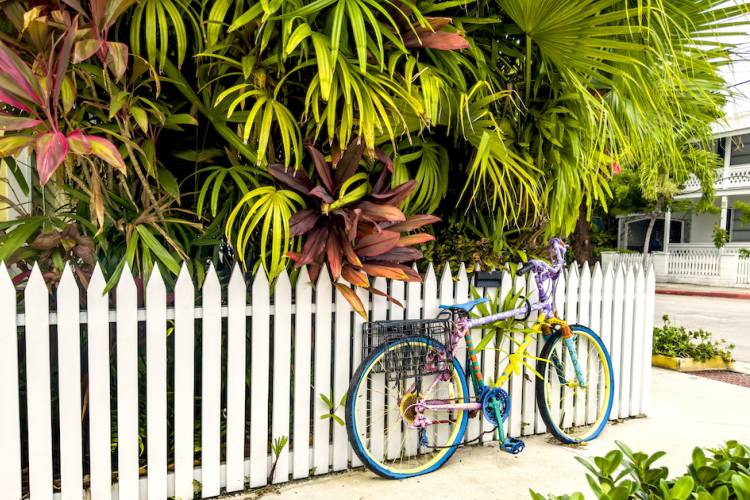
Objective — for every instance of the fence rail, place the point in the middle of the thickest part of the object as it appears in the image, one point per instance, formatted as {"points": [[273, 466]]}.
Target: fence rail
{"points": [[236, 372]]}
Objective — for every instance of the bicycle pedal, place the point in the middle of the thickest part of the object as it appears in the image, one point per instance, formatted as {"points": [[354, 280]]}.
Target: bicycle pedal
{"points": [[513, 446]]}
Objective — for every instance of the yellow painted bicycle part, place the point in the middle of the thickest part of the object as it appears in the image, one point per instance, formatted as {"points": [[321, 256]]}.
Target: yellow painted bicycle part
{"points": [[457, 388], [574, 385]]}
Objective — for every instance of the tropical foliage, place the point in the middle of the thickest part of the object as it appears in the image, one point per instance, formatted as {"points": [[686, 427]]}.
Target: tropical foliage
{"points": [[721, 472], [235, 130]]}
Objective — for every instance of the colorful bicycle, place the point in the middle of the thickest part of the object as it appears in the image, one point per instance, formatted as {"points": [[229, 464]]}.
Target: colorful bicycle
{"points": [[409, 401]]}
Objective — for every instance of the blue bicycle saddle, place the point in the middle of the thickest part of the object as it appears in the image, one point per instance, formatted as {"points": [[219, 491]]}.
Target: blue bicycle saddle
{"points": [[466, 306]]}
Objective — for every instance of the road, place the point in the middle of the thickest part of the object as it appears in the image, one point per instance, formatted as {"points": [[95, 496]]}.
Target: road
{"points": [[726, 318]]}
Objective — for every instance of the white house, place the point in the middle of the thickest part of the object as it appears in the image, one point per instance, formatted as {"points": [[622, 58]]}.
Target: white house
{"points": [[687, 253]]}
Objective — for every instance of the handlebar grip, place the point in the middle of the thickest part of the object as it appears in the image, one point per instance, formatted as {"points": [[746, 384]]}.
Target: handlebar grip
{"points": [[524, 269]]}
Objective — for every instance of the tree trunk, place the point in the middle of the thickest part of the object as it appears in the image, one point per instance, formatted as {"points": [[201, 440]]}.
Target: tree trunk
{"points": [[583, 247], [650, 229]]}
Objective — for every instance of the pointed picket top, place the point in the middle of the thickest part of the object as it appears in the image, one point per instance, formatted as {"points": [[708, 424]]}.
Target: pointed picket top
{"points": [[260, 281], [650, 275], [429, 275], [596, 273], [446, 278], [67, 279], [462, 286], [97, 283], [237, 281], [304, 284], [5, 277], [446, 285], [639, 279], [585, 269], [324, 277], [573, 270], [155, 283], [36, 282], [211, 281], [184, 282], [126, 283], [283, 286]]}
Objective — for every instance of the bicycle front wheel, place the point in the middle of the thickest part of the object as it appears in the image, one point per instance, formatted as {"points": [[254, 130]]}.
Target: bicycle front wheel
{"points": [[575, 404], [381, 411]]}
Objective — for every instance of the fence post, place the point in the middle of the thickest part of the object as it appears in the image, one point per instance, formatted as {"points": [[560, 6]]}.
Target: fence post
{"points": [[660, 262], [728, 268]]}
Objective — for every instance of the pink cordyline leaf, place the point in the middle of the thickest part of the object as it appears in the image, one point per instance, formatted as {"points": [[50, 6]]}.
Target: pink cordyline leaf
{"points": [[16, 70], [10, 100], [51, 149], [98, 146], [10, 122], [616, 168]]}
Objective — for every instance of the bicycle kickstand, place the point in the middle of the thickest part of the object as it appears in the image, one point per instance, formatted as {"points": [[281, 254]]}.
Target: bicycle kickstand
{"points": [[508, 444]]}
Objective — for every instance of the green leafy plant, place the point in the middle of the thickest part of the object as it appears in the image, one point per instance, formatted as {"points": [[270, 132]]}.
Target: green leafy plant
{"points": [[276, 447], [722, 472], [678, 342], [720, 237], [333, 407]]}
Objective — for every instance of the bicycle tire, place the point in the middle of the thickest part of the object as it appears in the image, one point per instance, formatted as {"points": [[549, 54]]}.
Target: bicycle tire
{"points": [[543, 392], [378, 466]]}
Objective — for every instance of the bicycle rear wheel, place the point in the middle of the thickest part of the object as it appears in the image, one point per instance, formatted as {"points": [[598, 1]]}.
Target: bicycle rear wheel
{"points": [[575, 412], [380, 413]]}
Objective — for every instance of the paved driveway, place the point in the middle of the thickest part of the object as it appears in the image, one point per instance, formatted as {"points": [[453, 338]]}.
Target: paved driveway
{"points": [[725, 318]]}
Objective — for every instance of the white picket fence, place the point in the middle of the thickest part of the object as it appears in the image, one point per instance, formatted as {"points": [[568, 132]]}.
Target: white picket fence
{"points": [[743, 271], [694, 262], [301, 345]]}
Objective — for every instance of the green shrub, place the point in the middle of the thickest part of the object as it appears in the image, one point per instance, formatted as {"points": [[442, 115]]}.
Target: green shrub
{"points": [[720, 473], [678, 342]]}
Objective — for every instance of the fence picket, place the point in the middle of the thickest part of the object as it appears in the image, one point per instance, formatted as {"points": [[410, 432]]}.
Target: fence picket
{"points": [[584, 304], [648, 331], [626, 363], [364, 296], [413, 310], [282, 358], [490, 355], [302, 348], [184, 384], [128, 447], [395, 312], [595, 323], [377, 429], [528, 422], [236, 373], [10, 420], [69, 379], [211, 386], [636, 371], [446, 298], [156, 385], [322, 382], [571, 316], [342, 336], [618, 306], [259, 380], [461, 296], [100, 447]]}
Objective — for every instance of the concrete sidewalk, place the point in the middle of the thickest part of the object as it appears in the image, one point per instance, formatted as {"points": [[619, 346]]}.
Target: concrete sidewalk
{"points": [[686, 411]]}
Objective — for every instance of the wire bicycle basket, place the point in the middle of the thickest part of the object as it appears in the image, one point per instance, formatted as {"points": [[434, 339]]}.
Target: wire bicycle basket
{"points": [[413, 360]]}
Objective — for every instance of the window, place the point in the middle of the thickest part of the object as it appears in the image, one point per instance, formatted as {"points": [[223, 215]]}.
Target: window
{"points": [[737, 230], [740, 150]]}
